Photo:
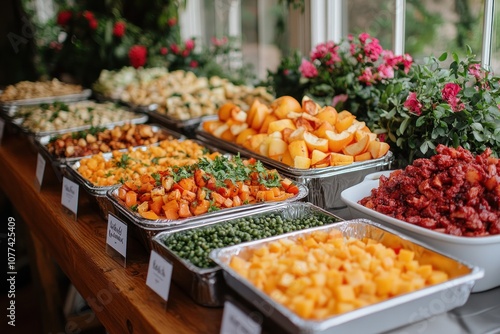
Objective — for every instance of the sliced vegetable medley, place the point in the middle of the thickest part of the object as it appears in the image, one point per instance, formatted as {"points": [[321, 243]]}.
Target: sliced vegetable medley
{"points": [[208, 185]]}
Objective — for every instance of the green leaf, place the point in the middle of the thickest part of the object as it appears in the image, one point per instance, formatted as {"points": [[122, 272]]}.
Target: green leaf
{"points": [[424, 147], [443, 56], [469, 91], [404, 125], [420, 121]]}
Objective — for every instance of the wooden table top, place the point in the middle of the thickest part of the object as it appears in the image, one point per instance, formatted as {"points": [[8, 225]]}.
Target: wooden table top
{"points": [[119, 296]]}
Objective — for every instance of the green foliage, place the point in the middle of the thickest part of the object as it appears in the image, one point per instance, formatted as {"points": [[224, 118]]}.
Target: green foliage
{"points": [[469, 117]]}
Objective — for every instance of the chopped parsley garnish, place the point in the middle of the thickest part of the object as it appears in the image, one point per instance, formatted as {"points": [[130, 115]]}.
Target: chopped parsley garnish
{"points": [[125, 158], [157, 178], [134, 207]]}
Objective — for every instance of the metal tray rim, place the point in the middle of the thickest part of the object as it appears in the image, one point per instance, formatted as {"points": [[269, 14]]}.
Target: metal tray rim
{"points": [[85, 93], [296, 172], [161, 224]]}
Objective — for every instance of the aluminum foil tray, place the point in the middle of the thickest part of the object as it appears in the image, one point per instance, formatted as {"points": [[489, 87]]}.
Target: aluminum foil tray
{"points": [[325, 184], [138, 119], [476, 250], [187, 127], [375, 318], [206, 285], [147, 228], [59, 163], [10, 106]]}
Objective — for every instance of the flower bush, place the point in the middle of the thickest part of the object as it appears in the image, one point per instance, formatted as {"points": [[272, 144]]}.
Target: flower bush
{"points": [[94, 36], [348, 75], [453, 106]]}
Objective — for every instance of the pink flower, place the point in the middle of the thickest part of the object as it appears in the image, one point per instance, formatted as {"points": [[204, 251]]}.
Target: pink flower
{"points": [[385, 71], [326, 51], [64, 17], [172, 21], [450, 91], [308, 69], [163, 51], [174, 48], [382, 137], [119, 29], [350, 37], [475, 70], [185, 53], [286, 71], [363, 37], [367, 76], [407, 63], [219, 42], [193, 64], [373, 49], [137, 55], [413, 104], [189, 45], [341, 98], [456, 104]]}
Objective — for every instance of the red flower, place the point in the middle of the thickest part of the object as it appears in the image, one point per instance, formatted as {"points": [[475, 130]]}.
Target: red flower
{"points": [[308, 69], [189, 45], [450, 91], [174, 48], [413, 104], [88, 15], [373, 49], [185, 53], [193, 64], [137, 55], [172, 21], [119, 29], [163, 51], [286, 71], [63, 17], [93, 24]]}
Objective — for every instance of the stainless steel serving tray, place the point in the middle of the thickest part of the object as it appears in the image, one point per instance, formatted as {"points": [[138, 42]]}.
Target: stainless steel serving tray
{"points": [[165, 224], [379, 317], [100, 192], [10, 106], [60, 163], [138, 119], [325, 184], [206, 285]]}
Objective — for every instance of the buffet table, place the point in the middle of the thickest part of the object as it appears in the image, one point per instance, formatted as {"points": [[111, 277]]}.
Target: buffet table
{"points": [[119, 296]]}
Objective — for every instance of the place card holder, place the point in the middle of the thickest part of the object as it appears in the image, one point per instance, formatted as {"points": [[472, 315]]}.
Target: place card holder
{"points": [[159, 276], [69, 197], [238, 319], [116, 239], [40, 171]]}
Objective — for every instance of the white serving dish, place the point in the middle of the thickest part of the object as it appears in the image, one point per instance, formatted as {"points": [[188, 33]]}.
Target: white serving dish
{"points": [[479, 251]]}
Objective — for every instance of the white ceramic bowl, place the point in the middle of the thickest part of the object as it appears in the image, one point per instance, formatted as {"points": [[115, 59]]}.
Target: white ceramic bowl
{"points": [[479, 251]]}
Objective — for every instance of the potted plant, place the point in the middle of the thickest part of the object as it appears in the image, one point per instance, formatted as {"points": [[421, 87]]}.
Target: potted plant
{"points": [[457, 105]]}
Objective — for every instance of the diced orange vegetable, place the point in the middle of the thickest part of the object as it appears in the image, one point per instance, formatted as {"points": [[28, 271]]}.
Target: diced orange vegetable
{"points": [[130, 198], [201, 207], [187, 184], [171, 210], [218, 198], [188, 195], [156, 205], [149, 215], [184, 210], [122, 192]]}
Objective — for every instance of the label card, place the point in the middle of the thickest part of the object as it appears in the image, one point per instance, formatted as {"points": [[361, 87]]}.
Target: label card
{"points": [[2, 127], [40, 169], [159, 275], [236, 321], [69, 196], [116, 239]]}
